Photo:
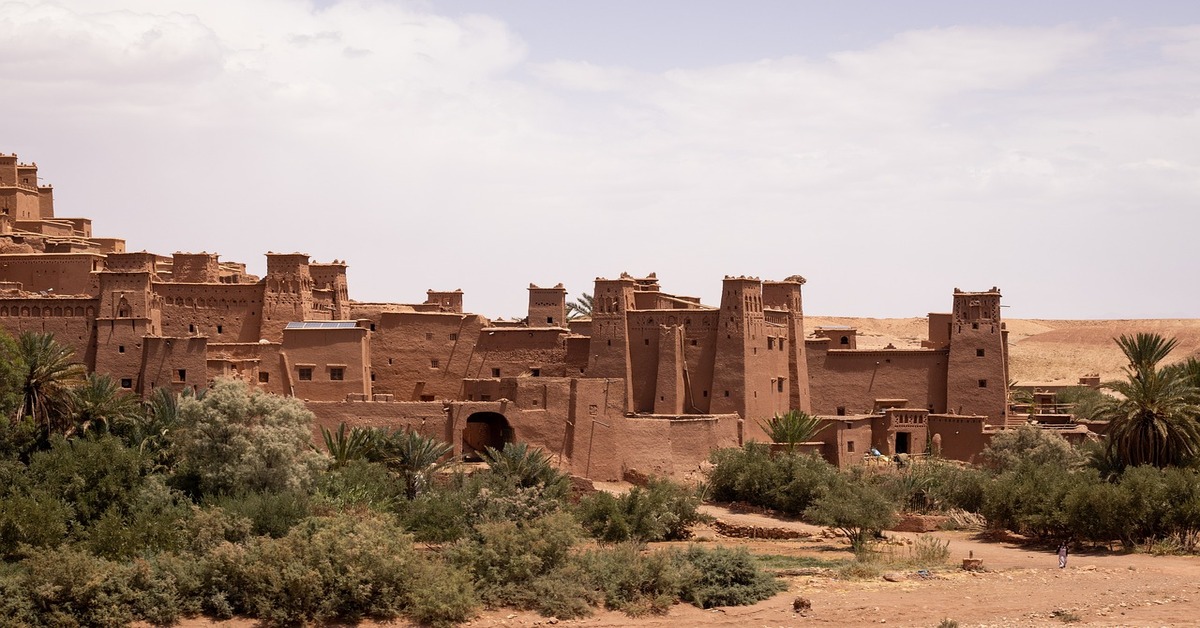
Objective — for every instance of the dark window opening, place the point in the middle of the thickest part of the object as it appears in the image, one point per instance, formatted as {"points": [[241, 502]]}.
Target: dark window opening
{"points": [[770, 343], [780, 383], [372, 376], [974, 325], [372, 326], [427, 398], [849, 446], [610, 343], [220, 329], [726, 393], [120, 348], [549, 319], [706, 393], [693, 342], [453, 336], [535, 372], [429, 335], [182, 375], [845, 340], [337, 374], [434, 364], [191, 329], [841, 410], [983, 383], [979, 353], [263, 377], [126, 383], [304, 374], [495, 372], [647, 341], [389, 361]]}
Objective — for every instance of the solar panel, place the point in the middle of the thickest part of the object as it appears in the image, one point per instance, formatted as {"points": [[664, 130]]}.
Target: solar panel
{"points": [[322, 325]]}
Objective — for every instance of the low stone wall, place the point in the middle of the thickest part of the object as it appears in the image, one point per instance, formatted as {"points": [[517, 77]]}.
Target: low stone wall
{"points": [[733, 530]]}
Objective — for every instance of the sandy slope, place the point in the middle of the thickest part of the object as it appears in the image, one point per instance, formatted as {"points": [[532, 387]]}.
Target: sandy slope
{"points": [[1040, 350]]}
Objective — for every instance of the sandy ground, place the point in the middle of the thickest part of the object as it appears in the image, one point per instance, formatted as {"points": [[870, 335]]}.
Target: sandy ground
{"points": [[1040, 351], [1021, 586]]}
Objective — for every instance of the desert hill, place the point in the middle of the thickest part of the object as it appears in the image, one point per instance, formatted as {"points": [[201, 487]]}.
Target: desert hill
{"points": [[1040, 351]]}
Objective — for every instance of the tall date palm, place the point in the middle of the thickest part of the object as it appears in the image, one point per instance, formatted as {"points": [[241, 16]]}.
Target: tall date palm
{"points": [[47, 374], [1156, 418]]}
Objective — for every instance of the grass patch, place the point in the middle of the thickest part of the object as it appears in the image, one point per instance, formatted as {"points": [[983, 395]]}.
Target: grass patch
{"points": [[780, 562]]}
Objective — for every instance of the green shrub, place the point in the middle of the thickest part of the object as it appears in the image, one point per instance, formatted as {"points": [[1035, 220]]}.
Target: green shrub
{"points": [[855, 508], [505, 556], [565, 592], [437, 516], [71, 587], [639, 583], [36, 518], [1030, 444], [787, 483], [16, 600], [660, 511], [271, 514], [360, 484], [89, 475], [238, 439], [441, 595], [930, 551], [151, 522], [522, 464], [344, 567], [727, 577]]}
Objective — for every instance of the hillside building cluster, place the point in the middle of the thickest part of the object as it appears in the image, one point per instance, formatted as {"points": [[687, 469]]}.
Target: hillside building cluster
{"points": [[650, 382]]}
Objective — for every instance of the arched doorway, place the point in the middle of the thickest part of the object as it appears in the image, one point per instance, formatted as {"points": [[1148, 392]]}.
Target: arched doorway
{"points": [[483, 430]]}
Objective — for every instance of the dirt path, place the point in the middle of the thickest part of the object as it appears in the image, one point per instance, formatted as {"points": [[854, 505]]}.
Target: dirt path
{"points": [[1021, 587]]}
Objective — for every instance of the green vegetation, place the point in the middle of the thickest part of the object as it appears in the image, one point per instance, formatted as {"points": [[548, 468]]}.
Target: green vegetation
{"points": [[792, 428], [114, 511]]}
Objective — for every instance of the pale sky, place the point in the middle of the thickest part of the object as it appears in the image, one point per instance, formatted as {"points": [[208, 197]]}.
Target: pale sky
{"points": [[887, 151]]}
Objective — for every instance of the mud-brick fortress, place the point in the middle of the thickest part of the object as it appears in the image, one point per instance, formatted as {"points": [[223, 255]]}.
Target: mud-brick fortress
{"points": [[650, 382]]}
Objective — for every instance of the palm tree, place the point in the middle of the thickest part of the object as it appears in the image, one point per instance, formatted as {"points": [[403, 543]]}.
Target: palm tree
{"points": [[519, 463], [345, 445], [792, 428], [47, 372], [580, 308], [99, 402], [415, 457], [1154, 421]]}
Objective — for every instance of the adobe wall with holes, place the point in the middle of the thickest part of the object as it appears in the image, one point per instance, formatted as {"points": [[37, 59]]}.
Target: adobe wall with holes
{"points": [[69, 319], [327, 364], [223, 312], [851, 380], [518, 351], [424, 355], [62, 273]]}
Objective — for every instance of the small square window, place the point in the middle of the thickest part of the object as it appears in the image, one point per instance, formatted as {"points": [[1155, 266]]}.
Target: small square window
{"points": [[706, 393], [191, 329], [841, 410], [549, 319], [974, 325], [453, 336], [304, 374], [181, 375], [120, 348], [693, 342], [427, 398], [495, 372], [337, 374], [263, 377], [770, 343], [780, 383], [220, 329], [726, 393], [849, 446], [647, 342], [979, 353], [535, 372], [434, 364], [372, 376], [983, 383], [126, 383], [429, 335], [372, 326]]}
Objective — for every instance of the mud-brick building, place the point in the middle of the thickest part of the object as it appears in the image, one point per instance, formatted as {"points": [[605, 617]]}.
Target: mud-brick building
{"points": [[651, 381]]}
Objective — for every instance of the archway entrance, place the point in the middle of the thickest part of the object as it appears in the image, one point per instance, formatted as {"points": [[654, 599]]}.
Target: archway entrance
{"points": [[483, 430], [903, 442]]}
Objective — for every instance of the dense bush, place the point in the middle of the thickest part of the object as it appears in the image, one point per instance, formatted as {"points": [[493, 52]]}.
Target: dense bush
{"points": [[239, 439], [660, 511], [636, 582], [360, 484], [787, 483], [1030, 444], [270, 514], [727, 577]]}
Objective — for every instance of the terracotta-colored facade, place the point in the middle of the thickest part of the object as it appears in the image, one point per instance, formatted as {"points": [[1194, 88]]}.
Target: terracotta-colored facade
{"points": [[652, 382]]}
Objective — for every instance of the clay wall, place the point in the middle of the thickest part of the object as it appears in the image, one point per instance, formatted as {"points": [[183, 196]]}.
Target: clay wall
{"points": [[445, 300], [839, 337], [177, 363], [66, 274], [20, 202], [508, 352], [46, 205], [51, 228], [119, 346], [8, 170], [846, 439], [962, 437], [327, 364], [977, 378], [258, 363], [853, 380], [110, 245], [70, 320], [547, 306], [939, 331], [223, 312], [195, 268], [419, 355]]}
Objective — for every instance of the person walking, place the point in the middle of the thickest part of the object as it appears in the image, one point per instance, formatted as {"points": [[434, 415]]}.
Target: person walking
{"points": [[1062, 555]]}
